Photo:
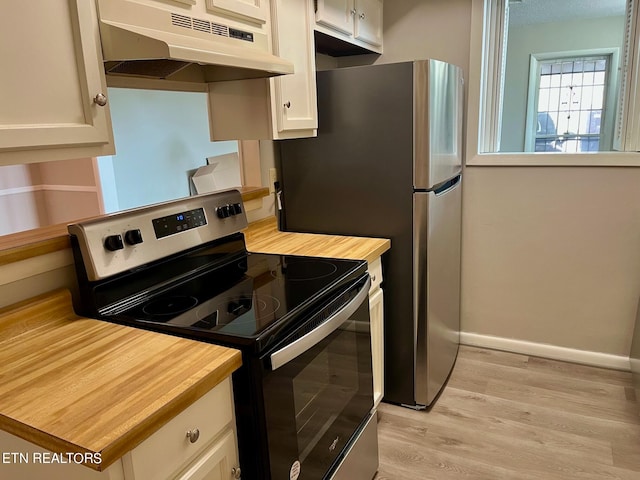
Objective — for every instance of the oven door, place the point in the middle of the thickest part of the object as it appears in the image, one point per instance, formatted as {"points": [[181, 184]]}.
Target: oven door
{"points": [[318, 387]]}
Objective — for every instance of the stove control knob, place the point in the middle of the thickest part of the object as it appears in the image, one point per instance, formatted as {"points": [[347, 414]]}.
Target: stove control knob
{"points": [[223, 211], [237, 209], [113, 243], [133, 237]]}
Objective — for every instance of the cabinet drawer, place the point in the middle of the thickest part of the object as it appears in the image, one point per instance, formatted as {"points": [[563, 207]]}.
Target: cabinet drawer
{"points": [[169, 449], [375, 270]]}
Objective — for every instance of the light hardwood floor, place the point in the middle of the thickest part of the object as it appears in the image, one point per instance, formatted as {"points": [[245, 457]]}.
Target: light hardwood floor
{"points": [[508, 416]]}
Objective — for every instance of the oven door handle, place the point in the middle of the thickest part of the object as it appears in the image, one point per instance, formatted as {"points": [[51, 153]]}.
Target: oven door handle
{"points": [[322, 331]]}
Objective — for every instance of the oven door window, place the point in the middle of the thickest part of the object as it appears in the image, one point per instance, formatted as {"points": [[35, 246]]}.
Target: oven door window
{"points": [[318, 400]]}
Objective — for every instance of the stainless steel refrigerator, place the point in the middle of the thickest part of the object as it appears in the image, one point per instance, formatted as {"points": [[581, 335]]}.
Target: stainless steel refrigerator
{"points": [[387, 163]]}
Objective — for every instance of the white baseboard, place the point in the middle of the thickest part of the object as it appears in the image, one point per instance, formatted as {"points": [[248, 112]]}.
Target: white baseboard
{"points": [[584, 357]]}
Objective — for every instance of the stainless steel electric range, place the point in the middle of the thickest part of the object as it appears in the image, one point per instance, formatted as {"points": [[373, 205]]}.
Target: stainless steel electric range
{"points": [[304, 396]]}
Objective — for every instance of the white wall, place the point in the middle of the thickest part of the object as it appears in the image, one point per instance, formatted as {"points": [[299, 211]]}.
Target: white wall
{"points": [[550, 255], [420, 29], [525, 40], [21, 208], [41, 194]]}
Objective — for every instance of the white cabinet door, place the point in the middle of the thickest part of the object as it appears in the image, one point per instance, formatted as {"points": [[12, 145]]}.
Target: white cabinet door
{"points": [[368, 21], [51, 73], [336, 14], [294, 96], [277, 108], [257, 10], [356, 22], [376, 312], [220, 462]]}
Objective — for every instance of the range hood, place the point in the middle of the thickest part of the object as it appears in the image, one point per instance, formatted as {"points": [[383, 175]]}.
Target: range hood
{"points": [[148, 41]]}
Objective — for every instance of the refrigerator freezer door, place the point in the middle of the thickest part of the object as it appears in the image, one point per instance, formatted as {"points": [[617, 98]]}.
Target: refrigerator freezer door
{"points": [[438, 92], [437, 229]]}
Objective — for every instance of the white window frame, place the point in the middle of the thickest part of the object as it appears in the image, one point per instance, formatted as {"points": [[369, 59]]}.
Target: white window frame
{"points": [[482, 91], [609, 112]]}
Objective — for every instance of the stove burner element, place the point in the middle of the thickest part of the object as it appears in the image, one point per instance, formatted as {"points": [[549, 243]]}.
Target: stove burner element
{"points": [[308, 270], [262, 305], [169, 306]]}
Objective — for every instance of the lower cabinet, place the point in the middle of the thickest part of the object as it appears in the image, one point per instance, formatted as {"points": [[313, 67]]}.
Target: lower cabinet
{"points": [[183, 442], [198, 443], [219, 462], [376, 312], [24, 460]]}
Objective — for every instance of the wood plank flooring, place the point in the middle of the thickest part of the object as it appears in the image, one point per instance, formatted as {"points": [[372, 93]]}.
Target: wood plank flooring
{"points": [[508, 416]]}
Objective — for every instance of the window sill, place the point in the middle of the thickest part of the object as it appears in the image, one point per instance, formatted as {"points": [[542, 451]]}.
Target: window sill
{"points": [[596, 159]]}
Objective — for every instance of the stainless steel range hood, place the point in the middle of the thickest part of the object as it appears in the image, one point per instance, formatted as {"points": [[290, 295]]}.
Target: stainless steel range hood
{"points": [[151, 42]]}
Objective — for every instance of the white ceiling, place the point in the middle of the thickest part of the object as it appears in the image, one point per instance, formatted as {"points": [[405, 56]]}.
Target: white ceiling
{"points": [[542, 11]]}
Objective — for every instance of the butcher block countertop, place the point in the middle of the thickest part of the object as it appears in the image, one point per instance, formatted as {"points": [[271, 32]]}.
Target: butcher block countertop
{"points": [[72, 384], [264, 237]]}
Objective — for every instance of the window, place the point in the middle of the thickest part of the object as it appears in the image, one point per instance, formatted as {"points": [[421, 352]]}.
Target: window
{"points": [[590, 50], [568, 104]]}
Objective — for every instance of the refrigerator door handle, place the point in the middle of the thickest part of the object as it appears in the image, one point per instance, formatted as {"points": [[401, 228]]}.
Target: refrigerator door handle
{"points": [[444, 187]]}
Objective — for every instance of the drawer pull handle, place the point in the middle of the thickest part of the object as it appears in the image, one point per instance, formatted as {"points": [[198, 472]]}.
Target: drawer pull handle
{"points": [[193, 435], [236, 472]]}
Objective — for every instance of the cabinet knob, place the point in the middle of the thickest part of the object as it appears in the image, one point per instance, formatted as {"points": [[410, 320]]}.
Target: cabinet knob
{"points": [[362, 15], [236, 472], [100, 99], [353, 11], [287, 105], [193, 435]]}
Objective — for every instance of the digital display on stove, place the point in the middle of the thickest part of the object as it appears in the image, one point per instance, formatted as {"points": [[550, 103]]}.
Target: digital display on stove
{"points": [[179, 222]]}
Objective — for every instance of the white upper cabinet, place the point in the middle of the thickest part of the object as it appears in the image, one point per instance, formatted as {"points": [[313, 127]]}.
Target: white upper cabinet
{"points": [[278, 108], [368, 22], [293, 99], [52, 87], [358, 22], [336, 14], [256, 10]]}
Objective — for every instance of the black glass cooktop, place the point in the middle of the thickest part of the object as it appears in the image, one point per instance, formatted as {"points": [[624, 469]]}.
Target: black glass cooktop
{"points": [[245, 301]]}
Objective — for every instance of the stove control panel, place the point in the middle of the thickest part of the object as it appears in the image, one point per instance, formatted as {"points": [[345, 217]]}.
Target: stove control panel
{"points": [[179, 222], [133, 238]]}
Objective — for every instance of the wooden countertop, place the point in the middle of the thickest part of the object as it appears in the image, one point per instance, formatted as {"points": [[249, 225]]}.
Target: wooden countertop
{"points": [[72, 384], [264, 237]]}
